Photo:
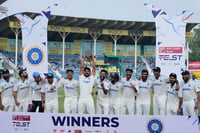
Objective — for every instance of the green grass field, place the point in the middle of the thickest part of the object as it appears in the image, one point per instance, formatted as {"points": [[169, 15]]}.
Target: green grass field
{"points": [[61, 101]]}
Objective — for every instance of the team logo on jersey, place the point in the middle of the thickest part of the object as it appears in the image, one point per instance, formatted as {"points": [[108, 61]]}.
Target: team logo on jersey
{"points": [[155, 126], [160, 80], [189, 85], [35, 56]]}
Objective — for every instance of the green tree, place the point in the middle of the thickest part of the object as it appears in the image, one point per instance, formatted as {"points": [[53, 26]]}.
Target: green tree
{"points": [[194, 45]]}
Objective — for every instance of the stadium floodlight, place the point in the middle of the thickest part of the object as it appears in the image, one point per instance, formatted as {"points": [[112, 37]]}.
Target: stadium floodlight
{"points": [[135, 35]]}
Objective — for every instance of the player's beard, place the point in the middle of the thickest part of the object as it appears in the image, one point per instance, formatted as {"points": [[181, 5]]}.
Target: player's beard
{"points": [[86, 75], [144, 78], [26, 76], [102, 78], [6, 77], [128, 76], [185, 79]]}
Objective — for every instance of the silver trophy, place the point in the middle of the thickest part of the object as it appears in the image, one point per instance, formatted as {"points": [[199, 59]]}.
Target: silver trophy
{"points": [[88, 56]]}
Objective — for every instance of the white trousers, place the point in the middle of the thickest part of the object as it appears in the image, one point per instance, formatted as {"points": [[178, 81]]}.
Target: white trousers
{"points": [[159, 106], [188, 108], [8, 104], [142, 109], [22, 107], [128, 105], [51, 106], [102, 106], [115, 106], [70, 105], [86, 103]]}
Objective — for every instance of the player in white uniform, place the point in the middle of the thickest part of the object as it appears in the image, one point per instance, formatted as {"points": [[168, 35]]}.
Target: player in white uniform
{"points": [[143, 100], [191, 95], [6, 92], [86, 80], [36, 93], [22, 92], [115, 94], [70, 86], [102, 105], [195, 80], [130, 90], [159, 91], [174, 97], [49, 95]]}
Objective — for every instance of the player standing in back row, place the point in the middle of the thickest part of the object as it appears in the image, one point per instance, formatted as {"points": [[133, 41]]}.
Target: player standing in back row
{"points": [[130, 90], [143, 100], [70, 86], [174, 97], [6, 92], [103, 86], [191, 95], [159, 91], [22, 92], [86, 88]]}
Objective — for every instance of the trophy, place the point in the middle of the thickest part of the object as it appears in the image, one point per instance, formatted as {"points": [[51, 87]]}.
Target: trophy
{"points": [[88, 56]]}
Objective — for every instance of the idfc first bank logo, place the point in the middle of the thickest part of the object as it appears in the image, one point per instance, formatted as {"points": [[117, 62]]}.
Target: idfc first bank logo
{"points": [[21, 122]]}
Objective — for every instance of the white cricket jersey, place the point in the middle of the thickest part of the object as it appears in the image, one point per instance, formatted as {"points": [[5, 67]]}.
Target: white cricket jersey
{"points": [[86, 85], [6, 88], [101, 96], [36, 91], [173, 96], [115, 90], [159, 86], [23, 90], [70, 87], [50, 94], [189, 90], [196, 81], [144, 95], [128, 92]]}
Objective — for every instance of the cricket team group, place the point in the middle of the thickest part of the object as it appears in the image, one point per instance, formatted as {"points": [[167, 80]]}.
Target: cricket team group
{"points": [[115, 94]]}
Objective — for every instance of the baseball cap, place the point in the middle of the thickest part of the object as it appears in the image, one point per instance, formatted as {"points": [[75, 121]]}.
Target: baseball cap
{"points": [[5, 71], [129, 69], [185, 72], [172, 75], [36, 74], [49, 75], [156, 69], [115, 75]]}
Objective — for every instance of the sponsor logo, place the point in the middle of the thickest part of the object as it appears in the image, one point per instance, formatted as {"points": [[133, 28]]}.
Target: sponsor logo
{"points": [[170, 50], [35, 56], [170, 57], [155, 126], [77, 131], [21, 122]]}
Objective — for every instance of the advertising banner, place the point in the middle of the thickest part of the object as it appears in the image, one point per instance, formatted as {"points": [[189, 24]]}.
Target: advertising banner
{"points": [[34, 41], [170, 40], [65, 123]]}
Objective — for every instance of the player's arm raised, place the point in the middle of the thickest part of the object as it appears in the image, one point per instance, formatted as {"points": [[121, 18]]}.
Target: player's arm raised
{"points": [[82, 64]]}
